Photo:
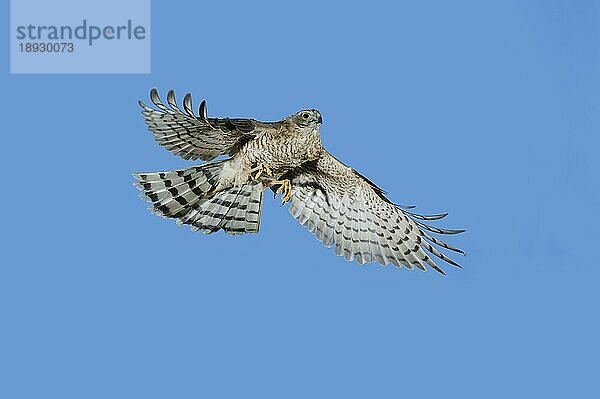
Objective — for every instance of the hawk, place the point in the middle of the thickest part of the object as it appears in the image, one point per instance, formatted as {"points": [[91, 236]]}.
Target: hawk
{"points": [[341, 207]]}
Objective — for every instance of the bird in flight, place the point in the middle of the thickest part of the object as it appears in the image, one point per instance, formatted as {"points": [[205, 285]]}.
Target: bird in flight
{"points": [[341, 207]]}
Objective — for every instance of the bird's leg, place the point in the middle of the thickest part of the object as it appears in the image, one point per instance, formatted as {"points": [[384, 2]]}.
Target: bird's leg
{"points": [[260, 169], [285, 187]]}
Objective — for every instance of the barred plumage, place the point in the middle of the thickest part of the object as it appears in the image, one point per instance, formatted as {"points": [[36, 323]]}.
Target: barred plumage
{"points": [[187, 195], [344, 209], [338, 205]]}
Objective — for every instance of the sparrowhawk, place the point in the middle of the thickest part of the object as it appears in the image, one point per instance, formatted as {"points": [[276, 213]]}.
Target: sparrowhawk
{"points": [[341, 207]]}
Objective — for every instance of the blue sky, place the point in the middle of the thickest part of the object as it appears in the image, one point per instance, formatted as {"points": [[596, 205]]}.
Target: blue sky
{"points": [[486, 110]]}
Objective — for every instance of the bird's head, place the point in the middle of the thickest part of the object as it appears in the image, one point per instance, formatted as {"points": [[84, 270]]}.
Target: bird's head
{"points": [[307, 118]]}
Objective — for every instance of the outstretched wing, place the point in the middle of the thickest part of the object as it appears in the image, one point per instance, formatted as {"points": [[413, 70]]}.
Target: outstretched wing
{"points": [[343, 208], [197, 136]]}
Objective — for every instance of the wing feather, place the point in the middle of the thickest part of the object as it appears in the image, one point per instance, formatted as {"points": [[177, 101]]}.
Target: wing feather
{"points": [[343, 208], [196, 136]]}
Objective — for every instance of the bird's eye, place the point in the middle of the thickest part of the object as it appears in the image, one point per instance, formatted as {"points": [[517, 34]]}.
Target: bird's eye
{"points": [[305, 115]]}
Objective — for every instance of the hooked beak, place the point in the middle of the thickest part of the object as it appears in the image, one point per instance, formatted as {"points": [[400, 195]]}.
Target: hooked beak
{"points": [[320, 120]]}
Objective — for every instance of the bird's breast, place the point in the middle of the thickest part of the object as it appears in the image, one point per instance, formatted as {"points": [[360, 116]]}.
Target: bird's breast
{"points": [[285, 151], [291, 152]]}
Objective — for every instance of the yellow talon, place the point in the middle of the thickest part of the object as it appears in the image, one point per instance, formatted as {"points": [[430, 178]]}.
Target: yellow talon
{"points": [[260, 169], [286, 188]]}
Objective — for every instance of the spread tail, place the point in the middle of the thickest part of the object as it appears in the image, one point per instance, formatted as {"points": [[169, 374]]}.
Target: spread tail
{"points": [[189, 196]]}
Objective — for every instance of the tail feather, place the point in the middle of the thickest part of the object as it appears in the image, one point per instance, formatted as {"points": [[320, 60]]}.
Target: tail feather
{"points": [[251, 205], [188, 195], [236, 211]]}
